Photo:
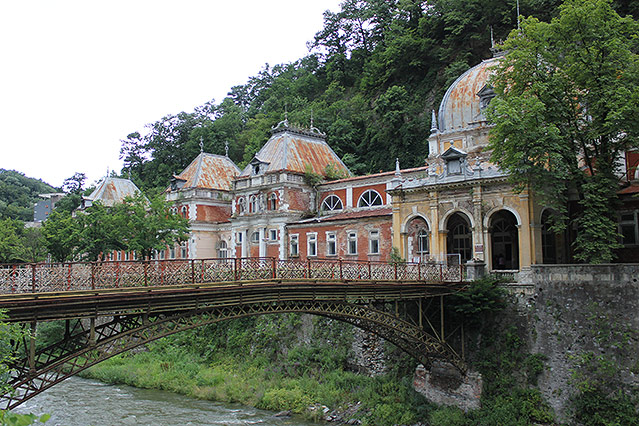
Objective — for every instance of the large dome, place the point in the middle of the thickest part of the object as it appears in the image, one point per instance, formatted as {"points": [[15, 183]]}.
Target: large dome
{"points": [[460, 107]]}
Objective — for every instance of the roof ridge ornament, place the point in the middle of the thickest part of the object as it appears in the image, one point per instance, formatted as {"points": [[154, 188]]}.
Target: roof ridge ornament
{"points": [[433, 123], [201, 144], [226, 148]]}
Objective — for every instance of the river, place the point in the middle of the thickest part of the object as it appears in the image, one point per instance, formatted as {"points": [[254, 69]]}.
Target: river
{"points": [[82, 402]]}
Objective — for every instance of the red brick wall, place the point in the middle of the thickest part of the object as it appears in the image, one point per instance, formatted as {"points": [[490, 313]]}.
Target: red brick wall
{"points": [[362, 227], [380, 188]]}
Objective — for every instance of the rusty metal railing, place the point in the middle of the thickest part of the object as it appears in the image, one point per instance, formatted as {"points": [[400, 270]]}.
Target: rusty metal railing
{"points": [[60, 277]]}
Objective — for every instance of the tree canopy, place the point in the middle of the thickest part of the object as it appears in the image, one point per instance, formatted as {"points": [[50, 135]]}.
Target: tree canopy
{"points": [[19, 193], [565, 111], [136, 225], [374, 72]]}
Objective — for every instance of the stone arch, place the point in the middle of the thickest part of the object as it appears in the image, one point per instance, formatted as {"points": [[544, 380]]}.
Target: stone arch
{"points": [[494, 210], [448, 214], [503, 229]]}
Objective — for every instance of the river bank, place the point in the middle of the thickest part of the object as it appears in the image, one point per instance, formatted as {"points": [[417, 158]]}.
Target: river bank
{"points": [[84, 402]]}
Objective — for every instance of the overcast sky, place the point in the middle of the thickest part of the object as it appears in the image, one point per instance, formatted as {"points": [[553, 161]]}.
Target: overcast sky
{"points": [[78, 76]]}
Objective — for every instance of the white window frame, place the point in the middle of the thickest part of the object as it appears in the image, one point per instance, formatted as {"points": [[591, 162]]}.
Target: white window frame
{"points": [[238, 237], [351, 242], [272, 234], [423, 235], [253, 204], [222, 249], [255, 237], [172, 252], [184, 212], [373, 242], [331, 242], [370, 198], [294, 242], [332, 203], [183, 250], [311, 244]]}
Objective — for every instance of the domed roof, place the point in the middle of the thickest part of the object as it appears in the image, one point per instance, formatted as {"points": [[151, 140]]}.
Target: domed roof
{"points": [[460, 106]]}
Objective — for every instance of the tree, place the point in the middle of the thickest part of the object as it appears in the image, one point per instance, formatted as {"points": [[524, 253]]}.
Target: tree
{"points": [[565, 111], [149, 225], [61, 232], [100, 232], [75, 183], [11, 247]]}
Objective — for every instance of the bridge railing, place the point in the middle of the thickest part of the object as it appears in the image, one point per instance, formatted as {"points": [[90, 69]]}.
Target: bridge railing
{"points": [[48, 277]]}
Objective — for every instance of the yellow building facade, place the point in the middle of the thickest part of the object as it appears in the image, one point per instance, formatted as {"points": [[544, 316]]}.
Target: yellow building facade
{"points": [[462, 209]]}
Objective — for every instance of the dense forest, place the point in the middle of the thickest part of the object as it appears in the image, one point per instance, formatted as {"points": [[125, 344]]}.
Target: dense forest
{"points": [[373, 74], [19, 193]]}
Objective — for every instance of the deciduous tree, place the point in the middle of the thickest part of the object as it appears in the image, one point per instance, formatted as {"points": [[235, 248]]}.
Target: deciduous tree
{"points": [[567, 107]]}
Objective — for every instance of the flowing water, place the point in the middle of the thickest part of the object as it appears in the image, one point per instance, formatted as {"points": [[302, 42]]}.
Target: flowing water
{"points": [[82, 402]]}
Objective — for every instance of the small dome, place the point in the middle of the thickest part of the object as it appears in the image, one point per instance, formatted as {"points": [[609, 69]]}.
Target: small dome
{"points": [[460, 106]]}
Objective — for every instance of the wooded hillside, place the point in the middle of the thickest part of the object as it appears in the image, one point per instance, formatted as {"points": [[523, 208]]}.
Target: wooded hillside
{"points": [[373, 75]]}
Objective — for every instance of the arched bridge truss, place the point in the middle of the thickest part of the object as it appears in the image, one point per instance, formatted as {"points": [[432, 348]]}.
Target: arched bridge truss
{"points": [[114, 321]]}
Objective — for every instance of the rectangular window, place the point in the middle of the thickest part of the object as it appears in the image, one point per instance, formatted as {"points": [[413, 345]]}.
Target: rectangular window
{"points": [[172, 253], [126, 256], [629, 228], [119, 256], [162, 254], [183, 250], [311, 244], [294, 245], [331, 244], [352, 243], [273, 234], [373, 242], [239, 238]]}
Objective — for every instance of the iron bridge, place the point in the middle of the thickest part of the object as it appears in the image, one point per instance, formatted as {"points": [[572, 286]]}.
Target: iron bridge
{"points": [[125, 304]]}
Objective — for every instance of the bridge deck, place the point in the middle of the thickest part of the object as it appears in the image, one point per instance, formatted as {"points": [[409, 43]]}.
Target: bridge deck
{"points": [[31, 292]]}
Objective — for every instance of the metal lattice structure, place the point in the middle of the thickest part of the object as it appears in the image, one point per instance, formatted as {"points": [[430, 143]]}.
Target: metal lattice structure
{"points": [[143, 301], [85, 347], [55, 277]]}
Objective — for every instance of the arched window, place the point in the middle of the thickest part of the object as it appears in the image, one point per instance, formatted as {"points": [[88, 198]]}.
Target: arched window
{"points": [[459, 238], [241, 205], [253, 204], [331, 203], [183, 211], [255, 237], [272, 201], [370, 198], [222, 249], [504, 240], [417, 240]]}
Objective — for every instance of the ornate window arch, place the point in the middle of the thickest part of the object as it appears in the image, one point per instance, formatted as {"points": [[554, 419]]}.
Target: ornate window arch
{"points": [[272, 201], [241, 205], [184, 212], [332, 203], [370, 198], [253, 204]]}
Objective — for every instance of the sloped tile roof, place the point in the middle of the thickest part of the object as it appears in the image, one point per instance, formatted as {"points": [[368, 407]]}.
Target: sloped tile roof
{"points": [[360, 214], [291, 150], [113, 191], [209, 171]]}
